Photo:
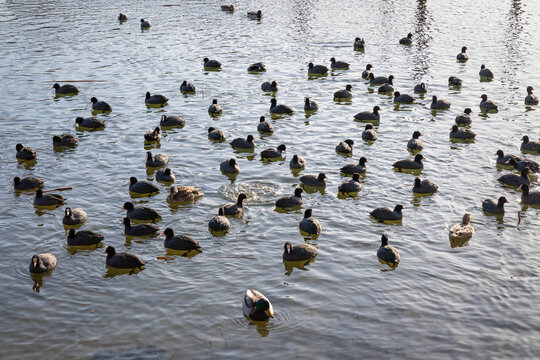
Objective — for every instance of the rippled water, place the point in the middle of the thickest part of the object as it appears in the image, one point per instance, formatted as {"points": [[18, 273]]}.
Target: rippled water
{"points": [[476, 301]]}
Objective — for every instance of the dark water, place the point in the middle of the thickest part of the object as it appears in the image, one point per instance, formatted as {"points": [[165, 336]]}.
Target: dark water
{"points": [[476, 301]]}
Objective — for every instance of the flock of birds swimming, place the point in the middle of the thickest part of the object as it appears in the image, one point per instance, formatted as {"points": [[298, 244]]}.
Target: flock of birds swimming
{"points": [[140, 220]]}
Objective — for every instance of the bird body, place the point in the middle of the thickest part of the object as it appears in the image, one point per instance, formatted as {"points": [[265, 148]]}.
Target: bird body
{"points": [[439, 104], [359, 168], [491, 206], [42, 263], [179, 242], [464, 118], [74, 217], [369, 133], [89, 123], [155, 99], [211, 64], [274, 153], [387, 253], [215, 109], [269, 86], [531, 99], [65, 140], [528, 145], [256, 306], [339, 65], [463, 231], [298, 252], [406, 40], [387, 214], [487, 105], [415, 144], [65, 89], [141, 213], [297, 162], [529, 197], [153, 136], [276, 108], [100, 105], [229, 167], [240, 143], [27, 183], [158, 160], [424, 186], [344, 94], [345, 147], [83, 238], [264, 127], [317, 69], [256, 67], [485, 72], [219, 224], [25, 153], [187, 87], [309, 225], [461, 134], [351, 186], [216, 135], [122, 260], [235, 209], [139, 229], [310, 105], [165, 175], [408, 164], [183, 194], [403, 98], [141, 187], [315, 181], [48, 199], [368, 115], [291, 201], [462, 56], [171, 120]]}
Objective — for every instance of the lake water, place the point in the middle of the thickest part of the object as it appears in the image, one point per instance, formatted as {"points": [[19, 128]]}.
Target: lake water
{"points": [[475, 301]]}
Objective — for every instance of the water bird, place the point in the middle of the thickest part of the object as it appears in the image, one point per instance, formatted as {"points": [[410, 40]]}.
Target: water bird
{"points": [[122, 260], [291, 201], [89, 123], [504, 159], [387, 214], [65, 140], [66, 89], [256, 67], [487, 105], [155, 99], [42, 199], [454, 81], [315, 181], [519, 165], [229, 8], [158, 160], [256, 306], [485, 72], [297, 162], [359, 44], [439, 104], [424, 186], [279, 109], [264, 127], [345, 147], [153, 136], [494, 207], [42, 263], [516, 180], [339, 65], [461, 134], [531, 99], [369, 133], [219, 224], [317, 69], [387, 253], [379, 80], [256, 15], [145, 24], [415, 144], [229, 167], [25, 152], [240, 143], [122, 17], [367, 71], [310, 105], [529, 197], [403, 98], [387, 87], [406, 40], [528, 145], [211, 64], [187, 87], [235, 209], [179, 242], [171, 120], [74, 217], [463, 230], [269, 86], [298, 252], [344, 94], [141, 187], [408, 164], [216, 135], [165, 175], [100, 105], [369, 115], [182, 194], [274, 153], [309, 225], [351, 186], [464, 118], [360, 168], [139, 229], [27, 183], [83, 238], [462, 56], [421, 88], [141, 213], [215, 109]]}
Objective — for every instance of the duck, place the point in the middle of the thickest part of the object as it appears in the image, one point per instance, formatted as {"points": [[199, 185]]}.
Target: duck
{"points": [[182, 194], [274, 153], [360, 168], [527, 145], [415, 144], [310, 105], [464, 118], [211, 64], [216, 135], [369, 133], [531, 99], [485, 72], [494, 207], [269, 86], [344, 94], [122, 17], [359, 44], [179, 242], [297, 163], [463, 230], [74, 217], [240, 143], [153, 136], [368, 115], [27, 183], [165, 175], [65, 140], [462, 56], [315, 181], [516, 180], [279, 109], [219, 224], [439, 104], [145, 24], [139, 229], [298, 252], [122, 260], [308, 225], [504, 159], [100, 105], [367, 71], [229, 8], [171, 120], [387, 87], [351, 186], [229, 167], [256, 67], [65, 89], [83, 238], [424, 186], [528, 197], [25, 152], [387, 214], [257, 15], [387, 253], [141, 187], [89, 123], [291, 201], [409, 164], [187, 87], [533, 166], [454, 81], [155, 99], [317, 69], [487, 105], [406, 40], [461, 134], [235, 209], [345, 147], [158, 160], [403, 98], [215, 109], [141, 213], [379, 80], [339, 65], [256, 306], [42, 263], [42, 199], [420, 88], [264, 127]]}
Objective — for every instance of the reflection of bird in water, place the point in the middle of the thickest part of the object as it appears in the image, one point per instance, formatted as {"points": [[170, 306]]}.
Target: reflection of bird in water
{"points": [[256, 306]]}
